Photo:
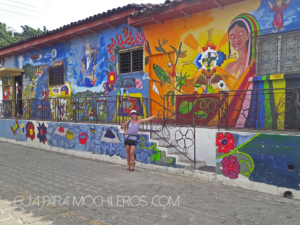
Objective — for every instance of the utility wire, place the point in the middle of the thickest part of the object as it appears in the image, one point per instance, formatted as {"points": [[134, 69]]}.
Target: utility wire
{"points": [[19, 7], [20, 13], [25, 4]]}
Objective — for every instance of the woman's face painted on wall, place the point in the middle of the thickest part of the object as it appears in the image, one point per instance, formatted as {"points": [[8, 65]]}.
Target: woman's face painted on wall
{"points": [[238, 37]]}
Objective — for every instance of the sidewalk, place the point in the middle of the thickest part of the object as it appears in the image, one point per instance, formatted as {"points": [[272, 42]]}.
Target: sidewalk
{"points": [[113, 196], [12, 215]]}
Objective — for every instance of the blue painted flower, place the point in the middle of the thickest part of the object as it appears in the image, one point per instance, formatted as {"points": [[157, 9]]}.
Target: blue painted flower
{"points": [[197, 61], [42, 133]]}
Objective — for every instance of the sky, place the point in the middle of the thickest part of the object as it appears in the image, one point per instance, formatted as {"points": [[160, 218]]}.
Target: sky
{"points": [[55, 13]]}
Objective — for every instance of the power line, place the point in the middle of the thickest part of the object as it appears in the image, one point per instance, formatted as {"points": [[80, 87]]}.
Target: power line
{"points": [[20, 7], [20, 13], [25, 4]]}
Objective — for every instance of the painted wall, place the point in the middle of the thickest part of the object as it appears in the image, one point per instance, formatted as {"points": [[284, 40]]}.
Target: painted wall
{"points": [[213, 51], [91, 71], [265, 158], [1, 93], [96, 139]]}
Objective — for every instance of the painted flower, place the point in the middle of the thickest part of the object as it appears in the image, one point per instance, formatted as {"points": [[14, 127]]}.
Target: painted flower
{"points": [[42, 133], [197, 61], [107, 87], [112, 78], [139, 84], [146, 76], [222, 85], [133, 100], [184, 141], [140, 38], [225, 143], [231, 167], [30, 131]]}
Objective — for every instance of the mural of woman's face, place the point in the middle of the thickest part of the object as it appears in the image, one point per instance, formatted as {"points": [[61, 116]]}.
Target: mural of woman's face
{"points": [[238, 37]]}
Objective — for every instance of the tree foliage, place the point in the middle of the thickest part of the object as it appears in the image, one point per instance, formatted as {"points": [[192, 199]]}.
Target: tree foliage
{"points": [[6, 36]]}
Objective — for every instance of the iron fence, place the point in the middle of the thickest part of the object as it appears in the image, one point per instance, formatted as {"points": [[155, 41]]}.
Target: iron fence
{"points": [[260, 109], [177, 132]]}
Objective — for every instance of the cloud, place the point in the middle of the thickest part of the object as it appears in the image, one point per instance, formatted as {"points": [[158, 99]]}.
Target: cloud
{"points": [[290, 20], [48, 55]]}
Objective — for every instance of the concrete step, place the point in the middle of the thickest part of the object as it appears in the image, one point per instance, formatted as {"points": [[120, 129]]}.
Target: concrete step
{"points": [[199, 164], [207, 169], [160, 142]]}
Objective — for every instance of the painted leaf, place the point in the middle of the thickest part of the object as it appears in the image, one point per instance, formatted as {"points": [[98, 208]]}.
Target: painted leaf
{"points": [[158, 156], [154, 88], [111, 67], [201, 114], [153, 157], [175, 50], [117, 49], [173, 98], [155, 149], [160, 73], [159, 49], [146, 60], [197, 85], [107, 73], [169, 93], [148, 48], [185, 107], [210, 89]]}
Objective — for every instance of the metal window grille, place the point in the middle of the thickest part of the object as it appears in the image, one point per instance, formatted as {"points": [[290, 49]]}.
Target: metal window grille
{"points": [[278, 53], [131, 61], [56, 75]]}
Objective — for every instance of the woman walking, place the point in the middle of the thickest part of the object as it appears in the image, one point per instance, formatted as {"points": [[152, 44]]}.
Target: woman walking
{"points": [[131, 136]]}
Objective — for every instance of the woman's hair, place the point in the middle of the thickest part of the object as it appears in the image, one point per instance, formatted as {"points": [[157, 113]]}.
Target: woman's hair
{"points": [[249, 23]]}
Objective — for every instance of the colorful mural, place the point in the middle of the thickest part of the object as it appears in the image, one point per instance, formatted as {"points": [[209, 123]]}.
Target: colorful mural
{"points": [[96, 139], [265, 158], [91, 74], [211, 52]]}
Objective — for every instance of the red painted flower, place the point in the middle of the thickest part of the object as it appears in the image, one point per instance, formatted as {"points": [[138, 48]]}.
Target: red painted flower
{"points": [[112, 78], [133, 100], [140, 38], [30, 131], [231, 167], [225, 143]]}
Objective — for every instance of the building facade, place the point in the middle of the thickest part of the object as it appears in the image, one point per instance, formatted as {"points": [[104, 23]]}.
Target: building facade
{"points": [[221, 63]]}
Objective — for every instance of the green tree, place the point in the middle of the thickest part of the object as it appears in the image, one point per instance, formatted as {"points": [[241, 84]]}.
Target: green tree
{"points": [[6, 36]]}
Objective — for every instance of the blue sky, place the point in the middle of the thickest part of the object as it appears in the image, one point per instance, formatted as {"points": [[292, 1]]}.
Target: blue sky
{"points": [[56, 13]]}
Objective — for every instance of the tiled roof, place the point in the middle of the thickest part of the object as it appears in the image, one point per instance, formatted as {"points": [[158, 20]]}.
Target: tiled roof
{"points": [[80, 22], [155, 8]]}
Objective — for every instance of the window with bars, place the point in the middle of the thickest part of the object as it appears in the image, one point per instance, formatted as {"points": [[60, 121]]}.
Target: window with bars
{"points": [[131, 60], [56, 75], [278, 53]]}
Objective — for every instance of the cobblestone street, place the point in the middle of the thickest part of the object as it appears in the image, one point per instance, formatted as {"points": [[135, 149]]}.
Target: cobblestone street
{"points": [[52, 187]]}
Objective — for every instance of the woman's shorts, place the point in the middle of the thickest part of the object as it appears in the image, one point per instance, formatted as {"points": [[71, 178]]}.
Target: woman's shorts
{"points": [[130, 142]]}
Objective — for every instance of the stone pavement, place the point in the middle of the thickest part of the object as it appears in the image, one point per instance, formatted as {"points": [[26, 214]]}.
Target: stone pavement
{"points": [[47, 186]]}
